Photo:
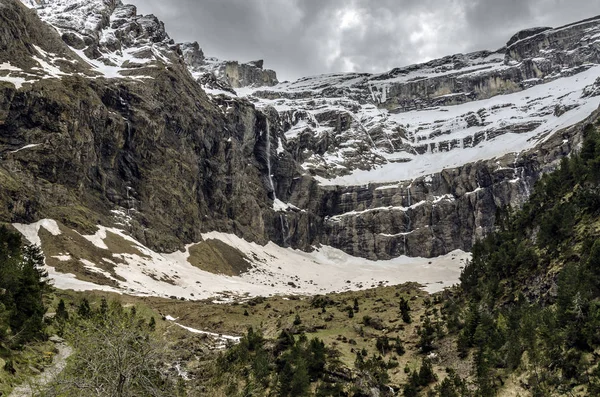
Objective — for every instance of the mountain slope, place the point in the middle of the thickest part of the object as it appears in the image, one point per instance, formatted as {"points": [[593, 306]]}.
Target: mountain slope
{"points": [[533, 290], [144, 140], [106, 121], [408, 155]]}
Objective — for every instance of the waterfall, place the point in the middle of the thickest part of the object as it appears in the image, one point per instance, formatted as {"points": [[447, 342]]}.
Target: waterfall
{"points": [[284, 226], [515, 175], [282, 219], [130, 201], [268, 157], [522, 178], [525, 184], [519, 175]]}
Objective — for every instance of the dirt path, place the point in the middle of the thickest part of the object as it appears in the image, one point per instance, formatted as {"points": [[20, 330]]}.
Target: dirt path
{"points": [[58, 364]]}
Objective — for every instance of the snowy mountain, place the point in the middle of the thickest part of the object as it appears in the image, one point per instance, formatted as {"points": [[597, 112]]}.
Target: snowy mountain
{"points": [[140, 156], [354, 129], [109, 36]]}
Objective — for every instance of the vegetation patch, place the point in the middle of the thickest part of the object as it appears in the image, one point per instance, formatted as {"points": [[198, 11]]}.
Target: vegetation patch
{"points": [[217, 257], [118, 245], [76, 217], [71, 244]]}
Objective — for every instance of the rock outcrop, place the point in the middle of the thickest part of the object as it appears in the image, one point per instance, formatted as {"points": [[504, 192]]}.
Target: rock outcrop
{"points": [[231, 73]]}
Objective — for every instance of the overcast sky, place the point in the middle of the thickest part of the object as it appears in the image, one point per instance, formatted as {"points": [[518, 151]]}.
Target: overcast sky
{"points": [[306, 37]]}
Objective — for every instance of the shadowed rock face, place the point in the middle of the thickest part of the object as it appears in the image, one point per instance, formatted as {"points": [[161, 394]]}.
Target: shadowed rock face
{"points": [[428, 216], [157, 149], [249, 74], [141, 145]]}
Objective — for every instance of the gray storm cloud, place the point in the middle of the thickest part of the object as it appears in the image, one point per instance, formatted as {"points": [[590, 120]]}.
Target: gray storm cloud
{"points": [[306, 37]]}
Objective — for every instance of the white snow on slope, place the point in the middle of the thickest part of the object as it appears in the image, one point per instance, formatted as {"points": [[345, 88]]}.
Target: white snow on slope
{"points": [[537, 106], [17, 81], [124, 59], [31, 231], [60, 280], [8, 66], [328, 269], [275, 270], [222, 337], [29, 146], [446, 135], [112, 72]]}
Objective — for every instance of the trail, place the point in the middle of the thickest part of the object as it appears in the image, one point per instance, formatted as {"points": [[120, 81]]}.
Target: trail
{"points": [[58, 364]]}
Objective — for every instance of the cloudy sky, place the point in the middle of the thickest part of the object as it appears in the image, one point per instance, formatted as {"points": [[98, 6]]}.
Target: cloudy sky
{"points": [[306, 37]]}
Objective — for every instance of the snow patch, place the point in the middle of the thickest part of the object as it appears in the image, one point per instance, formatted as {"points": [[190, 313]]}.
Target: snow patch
{"points": [[275, 270], [62, 258], [31, 231], [222, 337], [26, 147], [280, 206]]}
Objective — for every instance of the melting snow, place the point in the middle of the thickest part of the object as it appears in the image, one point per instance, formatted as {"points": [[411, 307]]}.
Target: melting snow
{"points": [[275, 270], [31, 231], [26, 147], [8, 66], [222, 337], [62, 258], [280, 206], [16, 81]]}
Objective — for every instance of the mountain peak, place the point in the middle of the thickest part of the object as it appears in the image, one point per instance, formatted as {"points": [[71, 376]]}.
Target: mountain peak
{"points": [[525, 33]]}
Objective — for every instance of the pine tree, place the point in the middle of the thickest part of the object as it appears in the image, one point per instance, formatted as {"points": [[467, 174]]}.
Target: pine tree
{"points": [[411, 389], [84, 310], [104, 307], [427, 336], [405, 311], [61, 311], [426, 374], [399, 347], [383, 345], [317, 359], [26, 320]]}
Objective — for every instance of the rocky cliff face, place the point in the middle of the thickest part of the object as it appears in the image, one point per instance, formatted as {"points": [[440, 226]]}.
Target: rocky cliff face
{"points": [[109, 121], [416, 161], [143, 146], [232, 74]]}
